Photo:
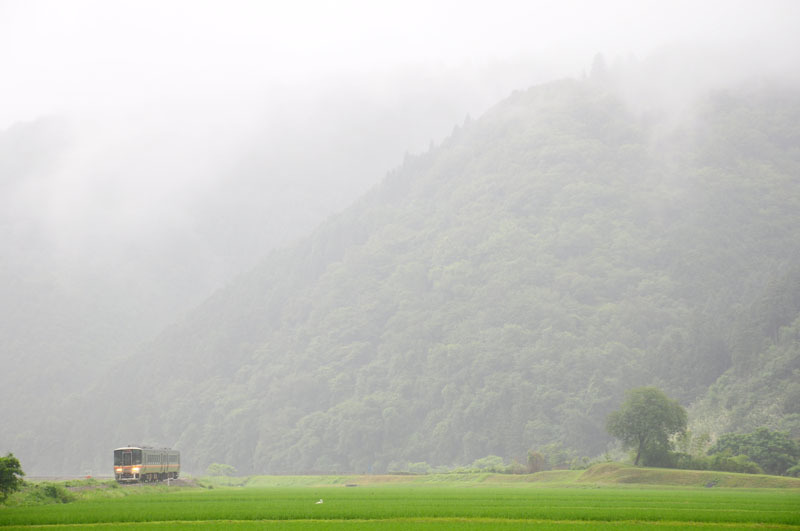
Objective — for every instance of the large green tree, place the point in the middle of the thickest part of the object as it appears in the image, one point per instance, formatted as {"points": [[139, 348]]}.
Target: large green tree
{"points": [[646, 421], [10, 475]]}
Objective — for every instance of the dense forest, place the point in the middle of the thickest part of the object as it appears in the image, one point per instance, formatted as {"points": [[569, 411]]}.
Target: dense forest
{"points": [[495, 294]]}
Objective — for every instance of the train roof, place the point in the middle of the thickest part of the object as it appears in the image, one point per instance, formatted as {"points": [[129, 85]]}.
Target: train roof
{"points": [[137, 447]]}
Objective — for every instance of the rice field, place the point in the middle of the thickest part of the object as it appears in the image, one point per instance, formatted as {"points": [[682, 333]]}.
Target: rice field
{"points": [[425, 507]]}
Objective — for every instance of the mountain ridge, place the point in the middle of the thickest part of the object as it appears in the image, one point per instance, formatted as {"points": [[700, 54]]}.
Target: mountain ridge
{"points": [[496, 294]]}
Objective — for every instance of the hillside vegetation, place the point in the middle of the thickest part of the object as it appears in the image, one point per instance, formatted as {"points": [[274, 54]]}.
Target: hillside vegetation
{"points": [[496, 294]]}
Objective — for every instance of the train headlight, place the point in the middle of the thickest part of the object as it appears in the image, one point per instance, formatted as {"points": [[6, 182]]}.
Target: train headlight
{"points": [[135, 470], [118, 470]]}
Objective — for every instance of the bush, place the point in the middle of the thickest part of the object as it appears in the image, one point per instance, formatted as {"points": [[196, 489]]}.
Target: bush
{"points": [[693, 462], [660, 457], [419, 468], [556, 456], [740, 463], [516, 468], [219, 469], [720, 462], [580, 463], [44, 494], [58, 493], [536, 462], [794, 471], [490, 463], [773, 451]]}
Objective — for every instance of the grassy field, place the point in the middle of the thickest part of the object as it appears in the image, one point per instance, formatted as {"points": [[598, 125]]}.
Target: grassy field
{"points": [[563, 500]]}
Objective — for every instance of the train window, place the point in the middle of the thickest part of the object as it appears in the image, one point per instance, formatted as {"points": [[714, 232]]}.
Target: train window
{"points": [[118, 457]]}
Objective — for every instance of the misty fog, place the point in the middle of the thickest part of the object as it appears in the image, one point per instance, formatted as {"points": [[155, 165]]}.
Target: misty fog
{"points": [[198, 136], [151, 152]]}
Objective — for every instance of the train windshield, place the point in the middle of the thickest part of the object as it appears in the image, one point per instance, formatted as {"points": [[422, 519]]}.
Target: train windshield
{"points": [[127, 457]]}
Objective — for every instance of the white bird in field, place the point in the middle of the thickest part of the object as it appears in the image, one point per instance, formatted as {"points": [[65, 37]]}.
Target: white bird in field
{"points": [[320, 501]]}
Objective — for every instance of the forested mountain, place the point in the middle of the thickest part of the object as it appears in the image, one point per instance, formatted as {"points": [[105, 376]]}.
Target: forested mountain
{"points": [[115, 225], [493, 295]]}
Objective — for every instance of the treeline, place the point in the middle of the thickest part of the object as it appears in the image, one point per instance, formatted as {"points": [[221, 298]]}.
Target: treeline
{"points": [[762, 451], [654, 428]]}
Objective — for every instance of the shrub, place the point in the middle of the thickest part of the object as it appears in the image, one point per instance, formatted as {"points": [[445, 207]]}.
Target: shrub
{"points": [[740, 463], [46, 493], [516, 468], [536, 462], [58, 493], [774, 451], [693, 462], [490, 463], [556, 456], [580, 463], [794, 471], [419, 468], [219, 469], [721, 462], [660, 457]]}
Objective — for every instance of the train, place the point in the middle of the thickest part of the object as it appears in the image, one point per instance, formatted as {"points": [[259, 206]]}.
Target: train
{"points": [[145, 464]]}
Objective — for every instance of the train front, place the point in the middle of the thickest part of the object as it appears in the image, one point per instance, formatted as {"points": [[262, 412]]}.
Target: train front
{"points": [[127, 464]]}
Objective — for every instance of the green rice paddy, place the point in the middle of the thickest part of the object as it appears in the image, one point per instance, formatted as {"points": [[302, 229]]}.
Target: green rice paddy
{"points": [[484, 503]]}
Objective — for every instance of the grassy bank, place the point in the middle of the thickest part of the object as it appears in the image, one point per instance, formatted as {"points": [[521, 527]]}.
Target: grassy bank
{"points": [[601, 474], [618, 474]]}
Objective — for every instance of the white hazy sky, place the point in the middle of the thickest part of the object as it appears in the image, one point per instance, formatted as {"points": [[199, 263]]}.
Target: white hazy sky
{"points": [[60, 56]]}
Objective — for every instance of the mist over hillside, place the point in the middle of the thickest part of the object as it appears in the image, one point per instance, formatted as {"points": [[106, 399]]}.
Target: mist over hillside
{"points": [[495, 294], [292, 238], [115, 226]]}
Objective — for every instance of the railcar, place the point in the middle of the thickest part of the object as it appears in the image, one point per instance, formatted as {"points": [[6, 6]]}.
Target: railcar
{"points": [[145, 463]]}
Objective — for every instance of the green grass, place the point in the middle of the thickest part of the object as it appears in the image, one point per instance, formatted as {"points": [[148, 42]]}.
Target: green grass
{"points": [[609, 496], [423, 507], [422, 525]]}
